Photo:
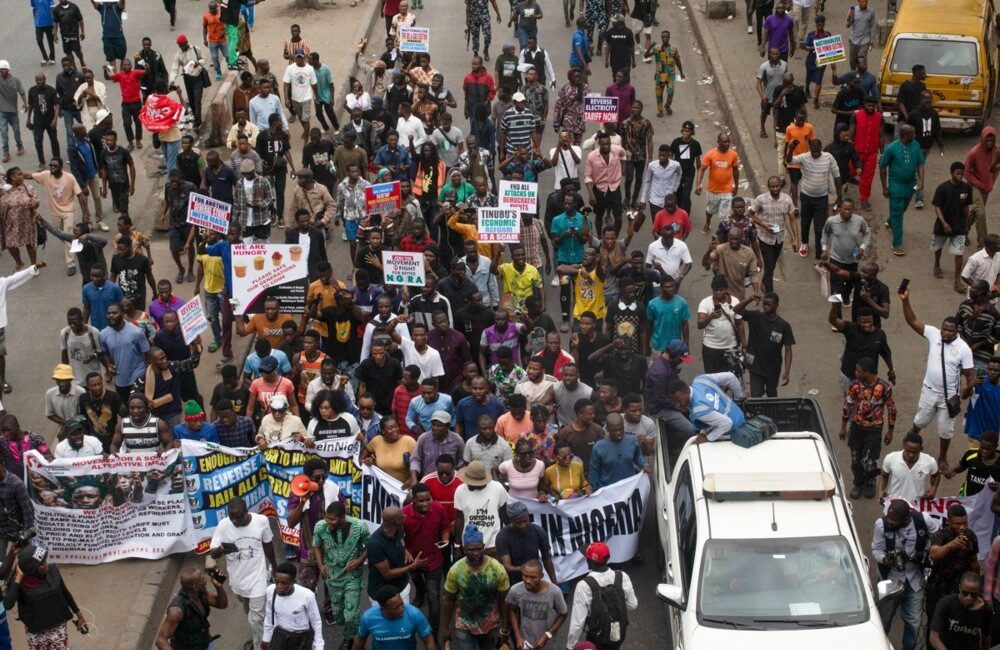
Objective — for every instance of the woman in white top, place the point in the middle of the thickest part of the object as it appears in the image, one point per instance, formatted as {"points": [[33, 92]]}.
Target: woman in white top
{"points": [[358, 98], [279, 424]]}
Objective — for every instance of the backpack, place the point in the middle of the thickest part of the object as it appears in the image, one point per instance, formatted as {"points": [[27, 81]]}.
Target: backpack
{"points": [[608, 618]]}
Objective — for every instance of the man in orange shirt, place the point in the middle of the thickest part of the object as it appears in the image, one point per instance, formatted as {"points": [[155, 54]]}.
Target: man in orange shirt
{"points": [[798, 135], [723, 165], [213, 33], [267, 325]]}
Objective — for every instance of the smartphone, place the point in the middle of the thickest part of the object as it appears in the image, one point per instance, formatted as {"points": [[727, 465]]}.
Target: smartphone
{"points": [[716, 306], [904, 285]]}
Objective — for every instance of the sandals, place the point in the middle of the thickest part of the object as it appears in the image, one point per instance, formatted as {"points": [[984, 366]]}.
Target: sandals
{"points": [[180, 278], [938, 273], [7, 388]]}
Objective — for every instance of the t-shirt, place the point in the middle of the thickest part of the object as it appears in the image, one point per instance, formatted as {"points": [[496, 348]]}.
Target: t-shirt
{"points": [[117, 164], [302, 79], [394, 634], [393, 459], [619, 41], [570, 249], [803, 134], [907, 482], [247, 567], [532, 544], [784, 113], [477, 609], [958, 627], [957, 357], [264, 392], [720, 166], [111, 19], [581, 442], [69, 19], [62, 192], [978, 472], [522, 484], [43, 104], [443, 493], [766, 340], [778, 28], [720, 333], [236, 396], [771, 76], [342, 426], [859, 344], [666, 318], [538, 610], [268, 329], [129, 84], [953, 199], [130, 274], [381, 548], [482, 508], [82, 350]]}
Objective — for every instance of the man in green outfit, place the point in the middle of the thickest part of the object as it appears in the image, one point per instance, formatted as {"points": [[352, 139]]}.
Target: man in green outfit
{"points": [[902, 162], [339, 549]]}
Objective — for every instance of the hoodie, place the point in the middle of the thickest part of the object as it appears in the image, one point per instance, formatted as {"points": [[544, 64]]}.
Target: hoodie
{"points": [[479, 88], [978, 163]]}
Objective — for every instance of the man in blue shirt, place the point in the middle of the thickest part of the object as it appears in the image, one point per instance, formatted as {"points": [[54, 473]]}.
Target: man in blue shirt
{"points": [[479, 403], [83, 163], [395, 157], [113, 33], [393, 624], [261, 349], [423, 406], [98, 295], [126, 346], [710, 403], [569, 232], [984, 403], [42, 12], [579, 52], [194, 426], [615, 457]]}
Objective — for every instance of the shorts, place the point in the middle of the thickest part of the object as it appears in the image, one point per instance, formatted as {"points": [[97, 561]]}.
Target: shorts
{"points": [[178, 237], [956, 243], [641, 26], [351, 230], [720, 204], [815, 75], [71, 45], [765, 108], [114, 48], [302, 110], [794, 175], [931, 406], [3, 341]]}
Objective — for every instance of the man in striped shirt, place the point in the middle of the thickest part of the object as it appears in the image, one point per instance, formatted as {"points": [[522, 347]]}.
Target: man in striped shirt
{"points": [[518, 127]]}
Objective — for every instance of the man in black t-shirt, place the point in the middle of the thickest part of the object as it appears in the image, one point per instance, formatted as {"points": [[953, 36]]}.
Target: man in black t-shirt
{"points": [[342, 320], [274, 150], [786, 100], [687, 151], [132, 271], [952, 201], [472, 320], [232, 390], [909, 95], [41, 118], [117, 172], [963, 621], [981, 465], [378, 376], [369, 258], [317, 156], [69, 24], [620, 54], [769, 336], [869, 291], [862, 339]]}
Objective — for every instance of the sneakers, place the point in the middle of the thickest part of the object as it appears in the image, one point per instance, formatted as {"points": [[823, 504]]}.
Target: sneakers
{"points": [[898, 252], [919, 204], [803, 250], [749, 29], [103, 226], [870, 490], [70, 271]]}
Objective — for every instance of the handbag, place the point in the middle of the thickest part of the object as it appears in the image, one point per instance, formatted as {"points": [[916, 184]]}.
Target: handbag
{"points": [[206, 79], [953, 403]]}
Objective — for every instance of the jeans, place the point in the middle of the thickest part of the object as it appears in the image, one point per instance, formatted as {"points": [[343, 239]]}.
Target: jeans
{"points": [[213, 307], [812, 209], [170, 151], [634, 169], [14, 122], [910, 606], [428, 583], [523, 35], [69, 118], [464, 640], [865, 444], [770, 255], [39, 131], [194, 89], [227, 326], [248, 14], [130, 118], [254, 609], [5, 640], [216, 49]]}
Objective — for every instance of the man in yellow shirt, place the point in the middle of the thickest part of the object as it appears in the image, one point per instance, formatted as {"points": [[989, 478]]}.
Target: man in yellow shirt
{"points": [[323, 290], [519, 281], [588, 286], [210, 270], [465, 225]]}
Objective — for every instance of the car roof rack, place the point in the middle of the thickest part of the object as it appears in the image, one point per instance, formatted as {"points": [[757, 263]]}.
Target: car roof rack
{"points": [[759, 486]]}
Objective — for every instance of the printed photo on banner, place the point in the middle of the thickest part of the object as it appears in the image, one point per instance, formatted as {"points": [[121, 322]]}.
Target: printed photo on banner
{"points": [[498, 225], [600, 109], [830, 50], [414, 39], [264, 270], [94, 510], [383, 198], [519, 195], [206, 212], [401, 268], [192, 317]]}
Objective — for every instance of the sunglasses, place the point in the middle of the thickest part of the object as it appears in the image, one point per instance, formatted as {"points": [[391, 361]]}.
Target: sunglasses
{"points": [[968, 594]]}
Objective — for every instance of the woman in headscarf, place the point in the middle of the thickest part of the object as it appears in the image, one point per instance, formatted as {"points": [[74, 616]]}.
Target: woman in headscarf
{"points": [[568, 112], [17, 218]]}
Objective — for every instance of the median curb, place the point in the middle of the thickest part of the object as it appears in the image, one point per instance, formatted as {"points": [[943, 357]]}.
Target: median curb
{"points": [[149, 596]]}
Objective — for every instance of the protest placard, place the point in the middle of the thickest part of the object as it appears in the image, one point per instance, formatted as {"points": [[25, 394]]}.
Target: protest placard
{"points": [[600, 109], [206, 212], [264, 270], [192, 317], [383, 198], [403, 268], [414, 39], [829, 50], [498, 225], [519, 195]]}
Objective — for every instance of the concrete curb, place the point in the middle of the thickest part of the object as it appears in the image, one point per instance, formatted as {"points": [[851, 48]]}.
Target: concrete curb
{"points": [[149, 600], [744, 134]]}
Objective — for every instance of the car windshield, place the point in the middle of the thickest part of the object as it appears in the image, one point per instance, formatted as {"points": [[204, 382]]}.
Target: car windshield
{"points": [[803, 581], [941, 57]]}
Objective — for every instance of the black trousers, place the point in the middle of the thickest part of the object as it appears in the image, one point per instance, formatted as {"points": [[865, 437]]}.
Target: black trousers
{"points": [[194, 89], [171, 7], [130, 118], [326, 107], [43, 34], [608, 201], [634, 170], [812, 210], [39, 130], [684, 192], [839, 285], [565, 299], [761, 385], [770, 254], [714, 360], [865, 444], [119, 197]]}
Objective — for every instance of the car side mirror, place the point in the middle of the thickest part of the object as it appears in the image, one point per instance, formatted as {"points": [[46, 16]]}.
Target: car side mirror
{"points": [[671, 595], [886, 589]]}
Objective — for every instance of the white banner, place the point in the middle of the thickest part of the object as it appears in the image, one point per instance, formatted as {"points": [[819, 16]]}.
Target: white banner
{"points": [[977, 507], [612, 515], [91, 510]]}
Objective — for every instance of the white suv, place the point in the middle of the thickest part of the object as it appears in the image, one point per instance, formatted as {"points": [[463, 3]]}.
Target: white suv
{"points": [[761, 552]]}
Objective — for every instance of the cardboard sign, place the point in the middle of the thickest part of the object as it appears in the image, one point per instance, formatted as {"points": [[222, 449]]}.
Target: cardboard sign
{"points": [[499, 225], [519, 195], [403, 268], [383, 198], [414, 39], [600, 109], [829, 50], [264, 270], [206, 212], [192, 317]]}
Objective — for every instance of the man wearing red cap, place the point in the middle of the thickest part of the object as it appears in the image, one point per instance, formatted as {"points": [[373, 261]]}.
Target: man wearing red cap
{"points": [[615, 592], [189, 62]]}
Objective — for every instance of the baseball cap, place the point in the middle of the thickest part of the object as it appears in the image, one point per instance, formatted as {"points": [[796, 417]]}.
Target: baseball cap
{"points": [[441, 416], [30, 558], [268, 363], [181, 38], [518, 97], [598, 552], [102, 115], [679, 348], [4, 65], [75, 424]]}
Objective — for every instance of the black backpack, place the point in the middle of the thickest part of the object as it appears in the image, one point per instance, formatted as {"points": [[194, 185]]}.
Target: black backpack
{"points": [[608, 618]]}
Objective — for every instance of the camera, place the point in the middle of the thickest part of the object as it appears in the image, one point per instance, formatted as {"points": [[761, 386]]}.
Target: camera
{"points": [[738, 361], [899, 559]]}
